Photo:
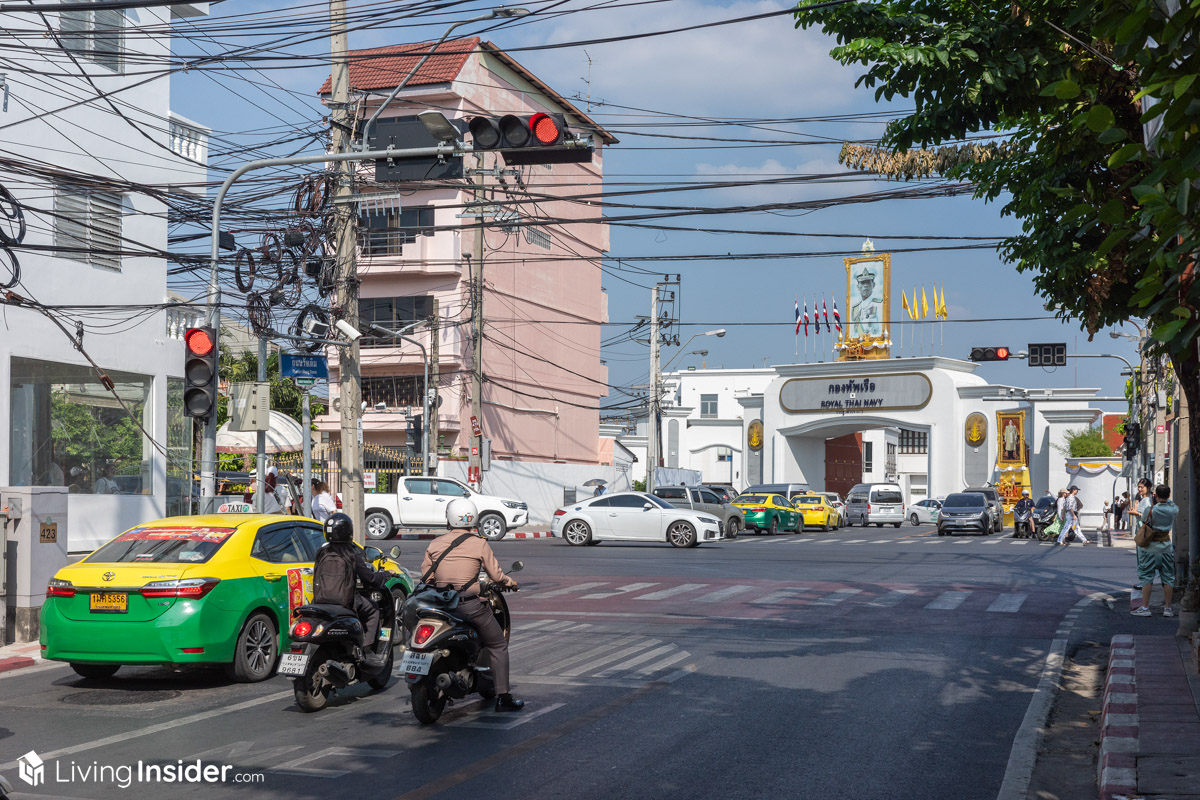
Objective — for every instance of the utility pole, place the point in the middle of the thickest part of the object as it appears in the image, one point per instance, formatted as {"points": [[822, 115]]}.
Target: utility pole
{"points": [[346, 266], [476, 265], [434, 334], [652, 430]]}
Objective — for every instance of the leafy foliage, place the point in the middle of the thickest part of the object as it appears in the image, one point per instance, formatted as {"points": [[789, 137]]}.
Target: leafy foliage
{"points": [[286, 396], [1085, 443]]}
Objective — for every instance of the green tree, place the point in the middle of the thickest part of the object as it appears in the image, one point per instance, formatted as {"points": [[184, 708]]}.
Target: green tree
{"points": [[286, 396], [1085, 443]]}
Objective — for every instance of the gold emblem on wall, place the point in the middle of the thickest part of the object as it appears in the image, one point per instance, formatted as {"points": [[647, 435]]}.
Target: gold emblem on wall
{"points": [[976, 429], [1010, 428], [754, 435], [868, 307]]}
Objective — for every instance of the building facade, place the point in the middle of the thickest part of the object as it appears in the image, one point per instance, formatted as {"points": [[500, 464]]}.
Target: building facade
{"points": [[542, 300], [88, 182]]}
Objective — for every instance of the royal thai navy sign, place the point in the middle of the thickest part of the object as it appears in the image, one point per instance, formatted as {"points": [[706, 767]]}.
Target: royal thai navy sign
{"points": [[902, 392]]}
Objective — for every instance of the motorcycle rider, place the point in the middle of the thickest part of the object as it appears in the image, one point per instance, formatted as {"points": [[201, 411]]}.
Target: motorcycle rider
{"points": [[337, 565], [1025, 506], [458, 569]]}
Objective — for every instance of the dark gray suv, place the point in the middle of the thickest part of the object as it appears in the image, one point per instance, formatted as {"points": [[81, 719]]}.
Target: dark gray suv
{"points": [[994, 505]]}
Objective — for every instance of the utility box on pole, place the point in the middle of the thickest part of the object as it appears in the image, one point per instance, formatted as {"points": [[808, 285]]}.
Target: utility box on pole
{"points": [[249, 406]]}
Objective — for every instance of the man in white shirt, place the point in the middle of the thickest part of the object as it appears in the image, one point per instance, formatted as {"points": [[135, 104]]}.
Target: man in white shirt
{"points": [[1070, 507]]}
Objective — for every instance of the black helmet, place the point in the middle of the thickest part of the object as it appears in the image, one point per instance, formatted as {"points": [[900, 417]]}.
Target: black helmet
{"points": [[339, 528]]}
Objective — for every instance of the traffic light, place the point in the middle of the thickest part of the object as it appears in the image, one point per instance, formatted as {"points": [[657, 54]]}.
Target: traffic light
{"points": [[416, 433], [1133, 440], [989, 354], [528, 139], [200, 372], [1048, 355]]}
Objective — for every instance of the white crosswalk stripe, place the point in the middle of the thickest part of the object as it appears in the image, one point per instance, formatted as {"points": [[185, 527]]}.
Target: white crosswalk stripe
{"points": [[724, 594], [892, 598], [633, 662], [663, 594], [1008, 603], [855, 541], [579, 587], [836, 597], [948, 601], [631, 587], [611, 657], [779, 596]]}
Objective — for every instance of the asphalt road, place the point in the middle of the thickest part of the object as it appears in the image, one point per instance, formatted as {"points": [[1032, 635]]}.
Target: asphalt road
{"points": [[865, 663]]}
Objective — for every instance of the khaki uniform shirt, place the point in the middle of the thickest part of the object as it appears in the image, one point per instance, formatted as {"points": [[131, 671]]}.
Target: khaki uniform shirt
{"points": [[463, 563]]}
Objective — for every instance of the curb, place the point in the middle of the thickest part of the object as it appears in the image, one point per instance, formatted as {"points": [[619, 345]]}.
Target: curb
{"points": [[15, 662], [1116, 771]]}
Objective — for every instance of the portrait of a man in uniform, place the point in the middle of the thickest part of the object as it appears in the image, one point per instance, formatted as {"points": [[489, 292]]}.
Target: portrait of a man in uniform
{"points": [[1012, 439], [866, 299]]}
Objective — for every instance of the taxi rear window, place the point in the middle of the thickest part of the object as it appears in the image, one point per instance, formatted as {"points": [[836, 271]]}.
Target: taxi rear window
{"points": [[752, 498], [163, 546], [809, 500]]}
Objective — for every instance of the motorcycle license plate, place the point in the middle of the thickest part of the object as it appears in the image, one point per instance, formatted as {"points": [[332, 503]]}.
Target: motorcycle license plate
{"points": [[293, 664], [415, 663]]}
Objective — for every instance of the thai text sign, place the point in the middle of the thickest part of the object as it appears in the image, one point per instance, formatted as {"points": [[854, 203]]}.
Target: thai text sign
{"points": [[905, 391]]}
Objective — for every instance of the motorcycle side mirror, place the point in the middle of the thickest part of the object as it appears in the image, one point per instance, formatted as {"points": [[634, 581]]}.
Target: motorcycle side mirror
{"points": [[372, 553], [395, 551], [517, 566]]}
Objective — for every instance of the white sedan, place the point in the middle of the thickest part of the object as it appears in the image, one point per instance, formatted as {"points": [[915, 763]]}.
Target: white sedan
{"points": [[633, 517], [925, 511]]}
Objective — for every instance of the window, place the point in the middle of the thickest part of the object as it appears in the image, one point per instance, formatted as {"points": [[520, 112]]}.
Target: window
{"points": [[94, 34], [313, 540], [391, 313], [914, 441], [87, 225], [385, 233], [631, 501], [603, 502], [671, 492], [66, 429], [419, 486], [394, 391], [708, 406], [451, 489], [724, 454], [280, 546], [709, 497], [868, 465], [179, 452], [781, 501]]}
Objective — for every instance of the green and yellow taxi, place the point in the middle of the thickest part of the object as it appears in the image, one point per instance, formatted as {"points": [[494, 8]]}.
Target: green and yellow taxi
{"points": [[195, 590], [817, 511], [769, 512]]}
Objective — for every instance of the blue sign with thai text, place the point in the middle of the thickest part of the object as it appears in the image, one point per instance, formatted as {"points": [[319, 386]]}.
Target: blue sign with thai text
{"points": [[292, 365]]}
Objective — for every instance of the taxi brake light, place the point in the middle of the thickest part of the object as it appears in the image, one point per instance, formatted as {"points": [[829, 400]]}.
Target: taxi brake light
{"points": [[187, 589], [60, 588]]}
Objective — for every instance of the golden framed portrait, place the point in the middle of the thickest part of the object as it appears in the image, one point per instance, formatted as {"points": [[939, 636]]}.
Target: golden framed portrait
{"points": [[1010, 433], [868, 296]]}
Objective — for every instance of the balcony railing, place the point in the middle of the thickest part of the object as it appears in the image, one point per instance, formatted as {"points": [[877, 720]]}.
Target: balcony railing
{"points": [[189, 140]]}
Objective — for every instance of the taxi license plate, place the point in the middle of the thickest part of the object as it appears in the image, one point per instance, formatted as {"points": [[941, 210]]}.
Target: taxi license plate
{"points": [[293, 664], [109, 602], [415, 663]]}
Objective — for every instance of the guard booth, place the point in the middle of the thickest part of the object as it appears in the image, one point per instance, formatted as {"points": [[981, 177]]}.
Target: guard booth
{"points": [[34, 548]]}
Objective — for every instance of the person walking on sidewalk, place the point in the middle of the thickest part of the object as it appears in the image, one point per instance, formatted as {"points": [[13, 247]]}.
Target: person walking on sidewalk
{"points": [[1122, 515], [1135, 514], [1107, 518], [1070, 507], [1158, 556]]}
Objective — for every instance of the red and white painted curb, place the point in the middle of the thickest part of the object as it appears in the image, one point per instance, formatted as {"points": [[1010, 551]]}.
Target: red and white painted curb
{"points": [[1117, 766], [411, 537]]}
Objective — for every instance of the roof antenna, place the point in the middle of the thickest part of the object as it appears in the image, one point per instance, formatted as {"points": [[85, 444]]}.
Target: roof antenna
{"points": [[588, 81]]}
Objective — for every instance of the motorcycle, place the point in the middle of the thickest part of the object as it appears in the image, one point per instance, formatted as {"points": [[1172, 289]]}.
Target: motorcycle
{"points": [[443, 659], [1042, 519], [1023, 523], [328, 651]]}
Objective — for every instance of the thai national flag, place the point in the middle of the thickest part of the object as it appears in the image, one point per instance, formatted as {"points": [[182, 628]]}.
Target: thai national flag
{"points": [[806, 317], [825, 311], [797, 317], [837, 318]]}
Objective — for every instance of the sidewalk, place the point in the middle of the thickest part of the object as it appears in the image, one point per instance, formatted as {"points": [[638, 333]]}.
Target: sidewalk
{"points": [[1150, 723], [19, 656]]}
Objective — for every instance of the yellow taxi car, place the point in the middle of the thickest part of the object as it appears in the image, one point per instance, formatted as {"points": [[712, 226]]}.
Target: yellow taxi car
{"points": [[817, 511], [196, 590]]}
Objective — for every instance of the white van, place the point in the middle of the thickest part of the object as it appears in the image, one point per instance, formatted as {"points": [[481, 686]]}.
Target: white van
{"points": [[875, 504]]}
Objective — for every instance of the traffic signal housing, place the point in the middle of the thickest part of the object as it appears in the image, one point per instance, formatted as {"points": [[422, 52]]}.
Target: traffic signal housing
{"points": [[1133, 439], [200, 373], [539, 138], [989, 353], [416, 432]]}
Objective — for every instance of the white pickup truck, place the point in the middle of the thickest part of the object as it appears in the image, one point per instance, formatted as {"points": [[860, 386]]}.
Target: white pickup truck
{"points": [[421, 503]]}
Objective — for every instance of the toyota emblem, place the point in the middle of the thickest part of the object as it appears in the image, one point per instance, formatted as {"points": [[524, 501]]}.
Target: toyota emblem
{"points": [[108, 576]]}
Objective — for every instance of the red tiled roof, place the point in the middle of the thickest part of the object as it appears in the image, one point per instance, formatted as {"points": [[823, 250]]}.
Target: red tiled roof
{"points": [[385, 67]]}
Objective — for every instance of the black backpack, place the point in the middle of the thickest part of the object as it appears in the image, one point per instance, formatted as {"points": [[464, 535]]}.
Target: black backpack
{"points": [[333, 576]]}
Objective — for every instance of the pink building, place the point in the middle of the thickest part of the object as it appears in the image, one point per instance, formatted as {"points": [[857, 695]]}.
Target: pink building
{"points": [[542, 302]]}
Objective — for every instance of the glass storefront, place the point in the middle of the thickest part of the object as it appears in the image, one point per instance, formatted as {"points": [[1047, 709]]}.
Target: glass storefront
{"points": [[67, 429]]}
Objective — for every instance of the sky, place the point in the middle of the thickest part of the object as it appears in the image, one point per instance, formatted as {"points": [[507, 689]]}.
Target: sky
{"points": [[696, 84]]}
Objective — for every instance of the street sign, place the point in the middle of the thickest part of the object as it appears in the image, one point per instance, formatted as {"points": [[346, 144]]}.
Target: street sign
{"points": [[475, 429], [294, 365], [235, 508], [1160, 429], [368, 480], [305, 382]]}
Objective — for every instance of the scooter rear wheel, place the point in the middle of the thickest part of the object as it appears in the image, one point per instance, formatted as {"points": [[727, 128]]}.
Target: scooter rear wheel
{"points": [[309, 696], [380, 681], [427, 703]]}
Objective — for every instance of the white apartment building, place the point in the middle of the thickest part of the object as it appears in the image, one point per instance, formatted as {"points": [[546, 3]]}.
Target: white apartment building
{"points": [[95, 237]]}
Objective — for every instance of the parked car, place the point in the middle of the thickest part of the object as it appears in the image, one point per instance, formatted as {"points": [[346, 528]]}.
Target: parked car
{"points": [[964, 511], [700, 498], [817, 511], [726, 493], [788, 490], [198, 590], [836, 501], [420, 502], [875, 504], [769, 512], [924, 512], [633, 517], [995, 505]]}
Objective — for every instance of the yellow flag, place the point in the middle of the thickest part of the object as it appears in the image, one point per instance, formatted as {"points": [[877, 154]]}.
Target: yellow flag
{"points": [[924, 304], [942, 303], [904, 300], [915, 309]]}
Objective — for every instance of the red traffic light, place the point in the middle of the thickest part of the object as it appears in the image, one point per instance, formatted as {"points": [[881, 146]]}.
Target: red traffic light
{"points": [[199, 341], [989, 353], [1001, 353], [545, 129]]}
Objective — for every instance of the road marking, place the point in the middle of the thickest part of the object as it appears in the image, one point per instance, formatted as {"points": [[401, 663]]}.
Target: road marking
{"points": [[302, 765], [663, 594], [629, 587], [836, 597], [883, 541], [855, 541], [558, 626], [561, 664], [723, 594], [633, 662], [775, 597], [1008, 603], [892, 598], [659, 666], [642, 645], [528, 626], [505, 723], [961, 541], [948, 601], [579, 587], [993, 541]]}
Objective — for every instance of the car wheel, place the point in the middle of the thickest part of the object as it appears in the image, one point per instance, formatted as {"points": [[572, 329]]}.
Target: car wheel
{"points": [[774, 529], [492, 527], [878, 524], [256, 651], [731, 530], [828, 525], [987, 528], [914, 520], [577, 532], [379, 525], [681, 534], [897, 524], [95, 672]]}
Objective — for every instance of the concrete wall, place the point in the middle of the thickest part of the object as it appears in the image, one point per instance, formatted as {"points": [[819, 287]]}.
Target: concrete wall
{"points": [[541, 483], [1095, 487]]}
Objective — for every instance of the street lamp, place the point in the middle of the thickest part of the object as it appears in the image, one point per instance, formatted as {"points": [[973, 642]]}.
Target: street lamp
{"points": [[495, 13], [719, 333]]}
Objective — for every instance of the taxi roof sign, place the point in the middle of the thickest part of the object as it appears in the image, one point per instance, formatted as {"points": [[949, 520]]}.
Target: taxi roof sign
{"points": [[235, 508]]}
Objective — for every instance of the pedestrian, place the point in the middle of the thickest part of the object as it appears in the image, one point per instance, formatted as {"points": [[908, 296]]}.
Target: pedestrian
{"points": [[599, 490], [106, 484], [1070, 508], [323, 505], [1157, 557], [1126, 504], [1107, 517], [271, 502], [1136, 514]]}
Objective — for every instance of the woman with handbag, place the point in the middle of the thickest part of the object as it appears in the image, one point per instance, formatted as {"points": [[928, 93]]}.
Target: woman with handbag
{"points": [[1155, 553], [1142, 501]]}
